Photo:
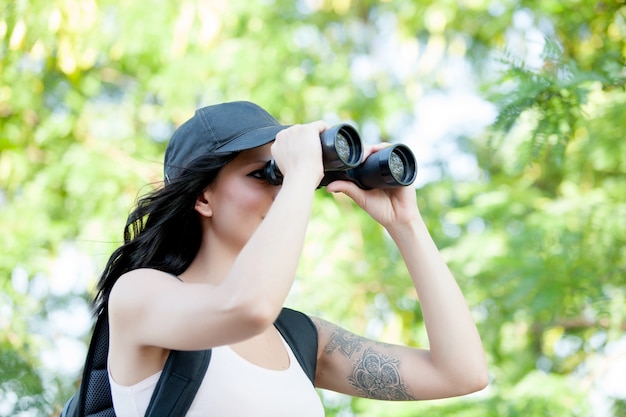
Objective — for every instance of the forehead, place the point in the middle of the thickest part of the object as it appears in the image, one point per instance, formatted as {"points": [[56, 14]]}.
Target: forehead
{"points": [[246, 159], [262, 153]]}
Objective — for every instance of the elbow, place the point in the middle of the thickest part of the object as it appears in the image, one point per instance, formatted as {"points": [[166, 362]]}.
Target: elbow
{"points": [[479, 382], [484, 381], [474, 375], [254, 316], [481, 375], [247, 311], [261, 316], [474, 381]]}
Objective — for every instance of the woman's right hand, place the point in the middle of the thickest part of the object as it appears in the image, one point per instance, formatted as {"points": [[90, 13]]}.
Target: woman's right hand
{"points": [[297, 151]]}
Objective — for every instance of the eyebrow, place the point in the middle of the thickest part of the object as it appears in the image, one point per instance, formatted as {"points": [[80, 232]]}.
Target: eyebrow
{"points": [[254, 162]]}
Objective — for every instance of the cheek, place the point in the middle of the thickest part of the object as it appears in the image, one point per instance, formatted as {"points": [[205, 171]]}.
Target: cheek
{"points": [[238, 199]]}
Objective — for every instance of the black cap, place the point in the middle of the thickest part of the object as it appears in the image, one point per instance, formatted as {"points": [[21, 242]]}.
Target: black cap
{"points": [[220, 128]]}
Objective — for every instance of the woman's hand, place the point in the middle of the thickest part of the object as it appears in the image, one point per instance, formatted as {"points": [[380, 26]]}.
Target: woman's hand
{"points": [[297, 150], [390, 207]]}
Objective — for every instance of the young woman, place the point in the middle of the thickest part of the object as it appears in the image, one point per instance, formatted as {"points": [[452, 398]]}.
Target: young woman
{"points": [[209, 259]]}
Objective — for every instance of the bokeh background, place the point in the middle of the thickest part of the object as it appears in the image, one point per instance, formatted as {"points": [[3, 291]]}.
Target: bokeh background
{"points": [[515, 109]]}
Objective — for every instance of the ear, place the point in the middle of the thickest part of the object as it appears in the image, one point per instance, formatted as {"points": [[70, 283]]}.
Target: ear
{"points": [[203, 205]]}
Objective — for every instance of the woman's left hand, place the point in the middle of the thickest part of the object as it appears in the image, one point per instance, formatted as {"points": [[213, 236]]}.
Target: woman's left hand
{"points": [[388, 206]]}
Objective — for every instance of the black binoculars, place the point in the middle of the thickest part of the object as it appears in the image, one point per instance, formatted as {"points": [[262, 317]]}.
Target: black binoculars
{"points": [[342, 152]]}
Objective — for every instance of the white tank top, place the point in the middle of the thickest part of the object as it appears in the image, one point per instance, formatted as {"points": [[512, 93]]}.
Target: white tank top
{"points": [[233, 387]]}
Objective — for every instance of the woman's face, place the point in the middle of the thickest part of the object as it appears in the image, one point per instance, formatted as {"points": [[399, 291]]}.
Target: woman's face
{"points": [[240, 197]]}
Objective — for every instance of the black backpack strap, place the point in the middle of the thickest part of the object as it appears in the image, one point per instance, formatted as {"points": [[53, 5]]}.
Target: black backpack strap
{"points": [[94, 394], [300, 333], [182, 375]]}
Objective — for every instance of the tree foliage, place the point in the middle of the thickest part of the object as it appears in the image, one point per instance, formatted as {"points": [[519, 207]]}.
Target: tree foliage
{"points": [[90, 91]]}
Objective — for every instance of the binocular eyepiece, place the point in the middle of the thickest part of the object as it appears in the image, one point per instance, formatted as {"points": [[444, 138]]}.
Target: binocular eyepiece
{"points": [[342, 152]]}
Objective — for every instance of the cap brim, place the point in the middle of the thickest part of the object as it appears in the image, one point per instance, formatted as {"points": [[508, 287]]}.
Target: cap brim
{"points": [[253, 139]]}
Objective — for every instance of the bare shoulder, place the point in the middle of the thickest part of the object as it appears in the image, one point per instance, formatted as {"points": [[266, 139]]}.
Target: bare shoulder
{"points": [[137, 284], [131, 360], [142, 275], [137, 294]]}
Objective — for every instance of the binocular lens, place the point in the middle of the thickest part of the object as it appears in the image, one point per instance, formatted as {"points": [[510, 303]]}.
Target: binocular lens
{"points": [[401, 167], [342, 146]]}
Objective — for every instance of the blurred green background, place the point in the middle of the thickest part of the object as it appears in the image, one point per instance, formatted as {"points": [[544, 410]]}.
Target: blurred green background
{"points": [[515, 110]]}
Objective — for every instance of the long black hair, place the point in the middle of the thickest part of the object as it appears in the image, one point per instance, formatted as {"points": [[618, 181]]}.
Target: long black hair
{"points": [[163, 231]]}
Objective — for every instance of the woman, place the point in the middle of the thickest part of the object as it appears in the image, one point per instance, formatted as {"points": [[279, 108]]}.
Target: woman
{"points": [[209, 259]]}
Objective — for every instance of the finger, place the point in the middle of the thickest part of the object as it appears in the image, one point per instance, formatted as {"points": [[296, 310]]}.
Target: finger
{"points": [[320, 125], [348, 188]]}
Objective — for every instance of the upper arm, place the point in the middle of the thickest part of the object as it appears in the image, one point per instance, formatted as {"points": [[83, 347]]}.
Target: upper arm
{"points": [[152, 308], [358, 366]]}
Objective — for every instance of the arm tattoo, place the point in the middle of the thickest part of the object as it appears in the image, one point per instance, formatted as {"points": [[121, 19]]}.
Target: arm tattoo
{"points": [[346, 342], [374, 375], [377, 376]]}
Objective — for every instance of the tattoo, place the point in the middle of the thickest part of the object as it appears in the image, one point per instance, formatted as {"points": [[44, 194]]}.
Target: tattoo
{"points": [[377, 376], [318, 323], [346, 342]]}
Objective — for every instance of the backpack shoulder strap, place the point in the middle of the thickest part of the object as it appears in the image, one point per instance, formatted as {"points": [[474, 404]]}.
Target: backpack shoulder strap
{"points": [[182, 375], [300, 333], [94, 394]]}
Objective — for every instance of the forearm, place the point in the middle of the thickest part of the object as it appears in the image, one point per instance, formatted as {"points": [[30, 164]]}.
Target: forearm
{"points": [[265, 268], [455, 346]]}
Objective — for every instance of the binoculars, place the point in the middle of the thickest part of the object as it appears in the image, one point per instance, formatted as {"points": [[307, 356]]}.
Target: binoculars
{"points": [[342, 152]]}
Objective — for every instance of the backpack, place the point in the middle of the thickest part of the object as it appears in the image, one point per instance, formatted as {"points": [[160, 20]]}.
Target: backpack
{"points": [[183, 371]]}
